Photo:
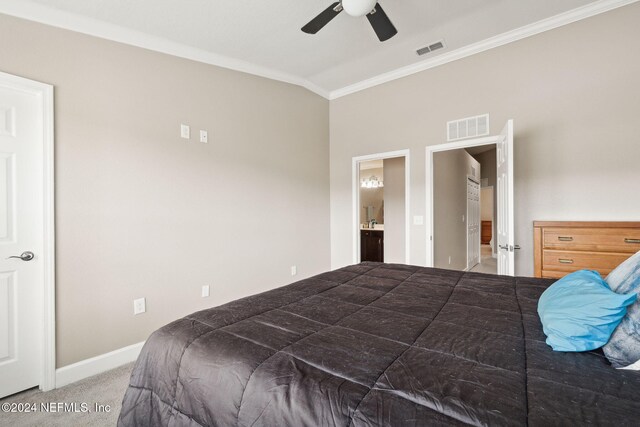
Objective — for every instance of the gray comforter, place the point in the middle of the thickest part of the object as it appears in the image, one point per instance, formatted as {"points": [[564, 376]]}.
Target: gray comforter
{"points": [[375, 344]]}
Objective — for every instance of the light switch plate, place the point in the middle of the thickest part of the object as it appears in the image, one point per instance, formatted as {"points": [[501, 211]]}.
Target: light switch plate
{"points": [[205, 291], [204, 136], [294, 270], [185, 131], [139, 306]]}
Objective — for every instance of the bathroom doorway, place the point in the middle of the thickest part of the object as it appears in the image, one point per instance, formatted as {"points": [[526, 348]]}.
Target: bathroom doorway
{"points": [[380, 209], [372, 210]]}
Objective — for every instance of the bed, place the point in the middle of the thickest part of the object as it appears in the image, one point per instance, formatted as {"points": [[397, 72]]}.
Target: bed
{"points": [[375, 344]]}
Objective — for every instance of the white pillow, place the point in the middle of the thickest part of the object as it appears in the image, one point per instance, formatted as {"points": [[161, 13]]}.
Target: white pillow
{"points": [[633, 366], [623, 348]]}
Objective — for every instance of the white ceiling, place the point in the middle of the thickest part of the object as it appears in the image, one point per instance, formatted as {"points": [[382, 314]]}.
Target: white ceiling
{"points": [[474, 151], [264, 37], [372, 164]]}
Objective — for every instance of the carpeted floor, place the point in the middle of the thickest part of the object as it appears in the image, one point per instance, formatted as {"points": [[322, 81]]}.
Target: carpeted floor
{"points": [[104, 389], [488, 264]]}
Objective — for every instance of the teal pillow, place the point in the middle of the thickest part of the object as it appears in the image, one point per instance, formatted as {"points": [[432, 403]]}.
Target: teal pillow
{"points": [[579, 312]]}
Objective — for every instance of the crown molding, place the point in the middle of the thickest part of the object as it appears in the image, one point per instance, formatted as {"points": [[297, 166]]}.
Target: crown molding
{"points": [[50, 16], [93, 27], [556, 21]]}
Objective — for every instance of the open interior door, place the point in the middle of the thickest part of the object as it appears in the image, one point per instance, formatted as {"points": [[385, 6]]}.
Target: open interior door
{"points": [[21, 238], [473, 223], [504, 163]]}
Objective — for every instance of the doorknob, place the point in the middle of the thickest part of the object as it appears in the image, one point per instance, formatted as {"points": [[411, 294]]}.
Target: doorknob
{"points": [[24, 256]]}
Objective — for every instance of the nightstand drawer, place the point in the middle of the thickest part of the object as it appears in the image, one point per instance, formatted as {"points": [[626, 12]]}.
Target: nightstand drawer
{"points": [[621, 240], [568, 261]]}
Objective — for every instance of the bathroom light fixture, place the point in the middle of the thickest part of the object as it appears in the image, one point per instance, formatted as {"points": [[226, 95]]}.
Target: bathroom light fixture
{"points": [[372, 182]]}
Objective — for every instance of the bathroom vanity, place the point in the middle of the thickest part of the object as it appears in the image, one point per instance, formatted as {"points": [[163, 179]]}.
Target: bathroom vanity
{"points": [[372, 244]]}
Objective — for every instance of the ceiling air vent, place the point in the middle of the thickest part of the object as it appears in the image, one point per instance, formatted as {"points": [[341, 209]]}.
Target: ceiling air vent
{"points": [[468, 128], [433, 46]]}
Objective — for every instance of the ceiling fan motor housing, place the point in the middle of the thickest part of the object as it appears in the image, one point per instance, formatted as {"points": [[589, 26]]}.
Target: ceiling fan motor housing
{"points": [[358, 7]]}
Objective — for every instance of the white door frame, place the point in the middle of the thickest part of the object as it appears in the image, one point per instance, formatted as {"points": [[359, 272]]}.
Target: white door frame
{"points": [[430, 150], [355, 191], [47, 291]]}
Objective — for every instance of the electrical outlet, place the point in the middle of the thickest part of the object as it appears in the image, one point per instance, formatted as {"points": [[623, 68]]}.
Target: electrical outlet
{"points": [[204, 136], [449, 260], [185, 131], [139, 306], [294, 270], [205, 291]]}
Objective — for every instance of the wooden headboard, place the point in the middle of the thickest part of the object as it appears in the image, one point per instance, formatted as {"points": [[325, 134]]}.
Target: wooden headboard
{"points": [[561, 247]]}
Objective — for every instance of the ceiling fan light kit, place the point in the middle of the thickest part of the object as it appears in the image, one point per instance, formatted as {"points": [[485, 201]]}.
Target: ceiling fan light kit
{"points": [[358, 7], [378, 19]]}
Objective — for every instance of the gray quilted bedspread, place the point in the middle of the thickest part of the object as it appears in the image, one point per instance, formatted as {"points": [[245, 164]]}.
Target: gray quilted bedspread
{"points": [[375, 344]]}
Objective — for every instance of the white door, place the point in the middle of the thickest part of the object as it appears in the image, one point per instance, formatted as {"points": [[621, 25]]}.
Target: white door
{"points": [[505, 214], [21, 235], [473, 223]]}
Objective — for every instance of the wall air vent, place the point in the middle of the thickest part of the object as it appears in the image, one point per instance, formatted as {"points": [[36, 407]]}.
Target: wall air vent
{"points": [[470, 127], [433, 46]]}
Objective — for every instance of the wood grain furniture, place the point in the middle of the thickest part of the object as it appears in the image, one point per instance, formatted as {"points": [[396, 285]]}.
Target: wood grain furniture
{"points": [[372, 245], [561, 247], [486, 232]]}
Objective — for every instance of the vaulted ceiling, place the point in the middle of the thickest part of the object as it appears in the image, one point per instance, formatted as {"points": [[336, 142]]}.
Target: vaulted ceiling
{"points": [[264, 37]]}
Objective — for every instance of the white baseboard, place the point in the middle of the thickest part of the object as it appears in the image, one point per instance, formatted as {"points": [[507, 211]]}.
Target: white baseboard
{"points": [[96, 365]]}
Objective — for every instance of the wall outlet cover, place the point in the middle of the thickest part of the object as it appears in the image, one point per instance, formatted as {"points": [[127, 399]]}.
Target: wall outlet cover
{"points": [[294, 270], [204, 136], [205, 291], [139, 306]]}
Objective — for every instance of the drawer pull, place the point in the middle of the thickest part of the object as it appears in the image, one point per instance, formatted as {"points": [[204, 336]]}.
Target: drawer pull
{"points": [[632, 240], [565, 261], [565, 239]]}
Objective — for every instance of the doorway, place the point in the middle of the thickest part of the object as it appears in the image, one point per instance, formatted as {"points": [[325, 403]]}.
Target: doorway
{"points": [[27, 304], [381, 207], [503, 237], [486, 157]]}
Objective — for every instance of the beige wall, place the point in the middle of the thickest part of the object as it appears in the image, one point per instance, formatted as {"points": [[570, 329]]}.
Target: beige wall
{"points": [[450, 172], [486, 205], [574, 93], [372, 196], [488, 162], [143, 213], [394, 210]]}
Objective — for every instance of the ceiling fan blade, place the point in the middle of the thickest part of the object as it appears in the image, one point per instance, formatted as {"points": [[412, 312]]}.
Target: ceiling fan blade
{"points": [[381, 23], [323, 18]]}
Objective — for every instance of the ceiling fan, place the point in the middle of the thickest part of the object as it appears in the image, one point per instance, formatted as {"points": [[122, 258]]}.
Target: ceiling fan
{"points": [[375, 14]]}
